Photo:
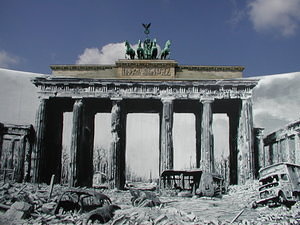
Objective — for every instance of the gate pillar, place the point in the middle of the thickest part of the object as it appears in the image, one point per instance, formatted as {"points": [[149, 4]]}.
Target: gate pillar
{"points": [[81, 157], [38, 152], [116, 161], [207, 148], [166, 136], [245, 140]]}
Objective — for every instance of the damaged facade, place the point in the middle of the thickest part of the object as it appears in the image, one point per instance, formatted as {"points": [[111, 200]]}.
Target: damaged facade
{"points": [[140, 86], [16, 143], [282, 145]]}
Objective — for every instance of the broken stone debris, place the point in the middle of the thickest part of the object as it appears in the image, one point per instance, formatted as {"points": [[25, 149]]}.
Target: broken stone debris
{"points": [[33, 205]]}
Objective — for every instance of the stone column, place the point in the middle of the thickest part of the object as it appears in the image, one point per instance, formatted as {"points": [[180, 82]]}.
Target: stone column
{"points": [[207, 148], [166, 136], [259, 156], [82, 140], [20, 159], [292, 149], [245, 143], [27, 159], [38, 152], [116, 161], [268, 156], [297, 148], [77, 133]]}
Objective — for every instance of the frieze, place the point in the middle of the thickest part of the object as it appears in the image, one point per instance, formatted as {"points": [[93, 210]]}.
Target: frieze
{"points": [[179, 90]]}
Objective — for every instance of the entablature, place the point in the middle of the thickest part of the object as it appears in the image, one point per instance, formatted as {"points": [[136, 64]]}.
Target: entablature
{"points": [[131, 89]]}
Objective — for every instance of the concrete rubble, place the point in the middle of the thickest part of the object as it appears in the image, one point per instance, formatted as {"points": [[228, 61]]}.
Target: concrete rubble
{"points": [[30, 204]]}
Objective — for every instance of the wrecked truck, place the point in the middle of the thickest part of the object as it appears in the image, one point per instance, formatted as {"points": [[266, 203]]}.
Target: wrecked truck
{"points": [[194, 181], [279, 183]]}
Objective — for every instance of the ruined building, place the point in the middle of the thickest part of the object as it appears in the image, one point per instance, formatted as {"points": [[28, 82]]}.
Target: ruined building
{"points": [[16, 143], [282, 145]]}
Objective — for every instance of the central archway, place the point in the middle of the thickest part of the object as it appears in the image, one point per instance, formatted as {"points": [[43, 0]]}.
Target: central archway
{"points": [[142, 147]]}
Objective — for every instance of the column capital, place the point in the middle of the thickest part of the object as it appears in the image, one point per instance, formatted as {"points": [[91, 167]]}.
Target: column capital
{"points": [[116, 98], [167, 99], [206, 99], [246, 98]]}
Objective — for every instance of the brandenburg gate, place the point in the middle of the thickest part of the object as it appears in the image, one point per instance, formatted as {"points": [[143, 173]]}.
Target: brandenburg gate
{"points": [[140, 85], [147, 84]]}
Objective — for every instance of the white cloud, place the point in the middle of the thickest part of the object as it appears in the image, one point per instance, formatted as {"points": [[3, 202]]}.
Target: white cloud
{"points": [[6, 59], [276, 101], [275, 15], [108, 54]]}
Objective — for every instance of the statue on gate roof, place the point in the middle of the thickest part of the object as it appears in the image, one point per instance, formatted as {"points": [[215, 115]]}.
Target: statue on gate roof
{"points": [[147, 49]]}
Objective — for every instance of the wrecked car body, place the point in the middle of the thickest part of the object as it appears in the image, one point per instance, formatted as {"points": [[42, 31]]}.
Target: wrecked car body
{"points": [[279, 183], [80, 200]]}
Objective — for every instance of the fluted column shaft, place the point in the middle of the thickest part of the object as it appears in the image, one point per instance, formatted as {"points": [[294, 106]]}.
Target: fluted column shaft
{"points": [[77, 133], [259, 159], [246, 168], [116, 170], [297, 149], [207, 150], [166, 136], [38, 152]]}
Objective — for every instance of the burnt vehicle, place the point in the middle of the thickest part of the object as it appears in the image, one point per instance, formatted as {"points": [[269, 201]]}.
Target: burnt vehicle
{"points": [[80, 200], [279, 183], [211, 185], [195, 181]]}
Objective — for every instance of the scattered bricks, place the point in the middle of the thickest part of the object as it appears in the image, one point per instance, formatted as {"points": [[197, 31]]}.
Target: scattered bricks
{"points": [[147, 222], [48, 208], [19, 210], [160, 219], [191, 216]]}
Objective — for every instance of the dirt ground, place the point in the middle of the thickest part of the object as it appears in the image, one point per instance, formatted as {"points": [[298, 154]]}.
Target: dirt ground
{"points": [[173, 210]]}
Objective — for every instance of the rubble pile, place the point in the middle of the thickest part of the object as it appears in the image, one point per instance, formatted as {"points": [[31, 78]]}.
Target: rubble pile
{"points": [[35, 204]]}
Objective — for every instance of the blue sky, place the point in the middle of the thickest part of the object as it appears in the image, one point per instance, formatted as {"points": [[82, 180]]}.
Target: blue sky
{"points": [[262, 35]]}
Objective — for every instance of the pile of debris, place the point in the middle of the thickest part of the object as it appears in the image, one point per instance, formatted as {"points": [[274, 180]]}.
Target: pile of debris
{"points": [[42, 204]]}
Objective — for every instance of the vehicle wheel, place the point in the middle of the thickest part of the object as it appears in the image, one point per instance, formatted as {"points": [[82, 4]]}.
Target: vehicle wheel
{"points": [[282, 198]]}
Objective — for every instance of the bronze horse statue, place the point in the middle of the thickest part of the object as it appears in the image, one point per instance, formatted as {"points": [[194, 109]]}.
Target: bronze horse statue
{"points": [[154, 50], [166, 51], [140, 51], [129, 50]]}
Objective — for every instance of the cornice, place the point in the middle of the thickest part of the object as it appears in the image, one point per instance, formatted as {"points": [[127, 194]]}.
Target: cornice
{"points": [[211, 68], [81, 67]]}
